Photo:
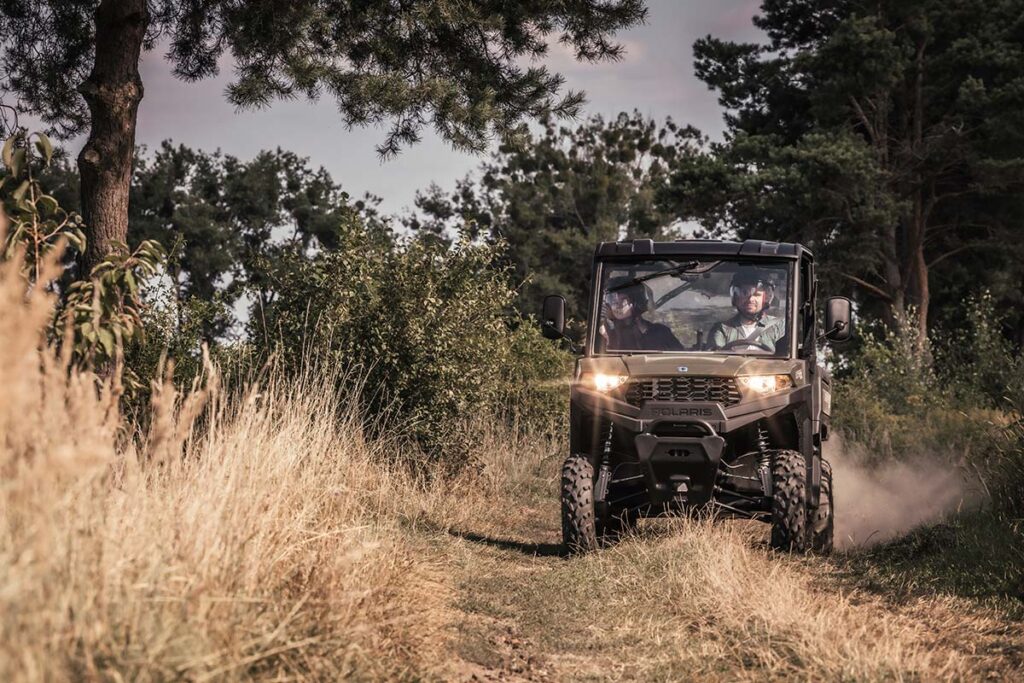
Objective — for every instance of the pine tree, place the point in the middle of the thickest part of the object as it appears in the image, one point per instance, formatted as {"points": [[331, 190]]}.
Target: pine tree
{"points": [[890, 135], [554, 196], [471, 70]]}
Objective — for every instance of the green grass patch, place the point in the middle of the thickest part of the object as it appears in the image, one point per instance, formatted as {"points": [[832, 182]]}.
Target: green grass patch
{"points": [[975, 555]]}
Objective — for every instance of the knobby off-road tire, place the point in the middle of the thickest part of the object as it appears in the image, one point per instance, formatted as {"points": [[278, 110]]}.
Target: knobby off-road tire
{"points": [[789, 502], [579, 523], [823, 527]]}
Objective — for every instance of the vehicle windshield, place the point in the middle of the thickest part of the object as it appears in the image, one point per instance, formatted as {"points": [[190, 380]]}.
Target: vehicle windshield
{"points": [[717, 306]]}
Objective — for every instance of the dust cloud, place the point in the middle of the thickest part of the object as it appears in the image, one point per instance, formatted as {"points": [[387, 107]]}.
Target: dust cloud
{"points": [[877, 502]]}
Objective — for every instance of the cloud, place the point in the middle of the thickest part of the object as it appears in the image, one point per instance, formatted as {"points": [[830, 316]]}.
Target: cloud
{"points": [[737, 19]]}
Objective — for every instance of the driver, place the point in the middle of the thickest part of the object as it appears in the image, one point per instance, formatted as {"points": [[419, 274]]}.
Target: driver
{"points": [[752, 328], [623, 327]]}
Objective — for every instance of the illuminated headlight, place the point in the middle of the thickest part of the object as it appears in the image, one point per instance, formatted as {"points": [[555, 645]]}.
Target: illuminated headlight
{"points": [[766, 384], [602, 382]]}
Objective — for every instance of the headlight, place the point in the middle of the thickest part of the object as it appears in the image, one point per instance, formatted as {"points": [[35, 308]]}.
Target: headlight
{"points": [[602, 382], [766, 384]]}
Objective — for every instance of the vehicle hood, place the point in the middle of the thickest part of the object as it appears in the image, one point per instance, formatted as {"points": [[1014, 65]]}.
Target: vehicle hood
{"points": [[707, 365]]}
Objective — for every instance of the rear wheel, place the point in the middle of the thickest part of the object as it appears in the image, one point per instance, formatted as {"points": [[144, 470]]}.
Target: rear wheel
{"points": [[789, 502], [579, 526], [824, 517]]}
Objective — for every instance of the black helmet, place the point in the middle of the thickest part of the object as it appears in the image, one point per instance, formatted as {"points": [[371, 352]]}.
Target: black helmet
{"points": [[639, 293], [753, 277]]}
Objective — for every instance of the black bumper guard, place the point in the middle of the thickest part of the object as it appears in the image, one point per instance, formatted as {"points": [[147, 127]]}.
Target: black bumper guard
{"points": [[680, 468]]}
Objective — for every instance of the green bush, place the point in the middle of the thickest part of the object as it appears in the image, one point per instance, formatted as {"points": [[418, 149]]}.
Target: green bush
{"points": [[980, 363], [889, 392], [898, 401], [97, 314], [1006, 472], [171, 343], [536, 380], [428, 327], [960, 400]]}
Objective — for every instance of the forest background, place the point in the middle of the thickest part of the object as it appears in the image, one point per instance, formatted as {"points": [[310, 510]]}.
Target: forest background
{"points": [[889, 139]]}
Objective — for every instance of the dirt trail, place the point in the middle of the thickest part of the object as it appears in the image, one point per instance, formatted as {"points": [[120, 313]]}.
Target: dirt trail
{"points": [[681, 601]]}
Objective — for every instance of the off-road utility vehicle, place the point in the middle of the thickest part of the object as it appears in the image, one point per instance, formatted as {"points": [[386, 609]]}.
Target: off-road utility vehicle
{"points": [[699, 386]]}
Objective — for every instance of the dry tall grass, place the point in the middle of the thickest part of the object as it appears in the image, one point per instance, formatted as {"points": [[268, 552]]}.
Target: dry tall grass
{"points": [[270, 540], [680, 599], [722, 608], [260, 544]]}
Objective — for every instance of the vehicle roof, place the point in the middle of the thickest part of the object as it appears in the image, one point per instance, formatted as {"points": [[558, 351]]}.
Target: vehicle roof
{"points": [[746, 249]]}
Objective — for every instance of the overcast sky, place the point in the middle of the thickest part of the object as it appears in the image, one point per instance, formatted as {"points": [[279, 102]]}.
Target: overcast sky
{"points": [[655, 77]]}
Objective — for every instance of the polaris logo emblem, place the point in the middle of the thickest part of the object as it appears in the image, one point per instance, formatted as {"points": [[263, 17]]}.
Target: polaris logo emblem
{"points": [[682, 368], [673, 411]]}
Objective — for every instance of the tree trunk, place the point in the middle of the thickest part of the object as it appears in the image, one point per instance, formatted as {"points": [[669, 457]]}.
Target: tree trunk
{"points": [[919, 267], [113, 92], [893, 278], [923, 299]]}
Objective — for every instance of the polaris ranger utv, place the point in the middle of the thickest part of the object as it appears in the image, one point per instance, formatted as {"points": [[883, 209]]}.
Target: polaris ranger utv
{"points": [[699, 386]]}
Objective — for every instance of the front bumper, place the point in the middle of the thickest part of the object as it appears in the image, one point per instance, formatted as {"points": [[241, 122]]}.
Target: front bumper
{"points": [[682, 468], [678, 446]]}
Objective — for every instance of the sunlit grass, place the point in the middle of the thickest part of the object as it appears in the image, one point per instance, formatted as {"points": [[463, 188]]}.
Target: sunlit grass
{"points": [[258, 542]]}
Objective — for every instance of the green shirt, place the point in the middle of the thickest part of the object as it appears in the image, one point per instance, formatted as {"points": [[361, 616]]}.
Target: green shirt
{"points": [[768, 330]]}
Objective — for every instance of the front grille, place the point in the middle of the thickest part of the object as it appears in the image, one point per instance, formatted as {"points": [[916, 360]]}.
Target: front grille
{"points": [[683, 389]]}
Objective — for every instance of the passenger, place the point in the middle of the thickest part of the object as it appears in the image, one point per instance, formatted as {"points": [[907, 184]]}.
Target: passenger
{"points": [[623, 327]]}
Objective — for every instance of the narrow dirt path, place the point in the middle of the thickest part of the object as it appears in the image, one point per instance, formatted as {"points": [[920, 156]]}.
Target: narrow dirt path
{"points": [[684, 600], [500, 636]]}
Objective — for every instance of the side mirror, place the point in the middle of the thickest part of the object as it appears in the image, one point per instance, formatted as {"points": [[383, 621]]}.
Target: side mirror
{"points": [[838, 320], [552, 317]]}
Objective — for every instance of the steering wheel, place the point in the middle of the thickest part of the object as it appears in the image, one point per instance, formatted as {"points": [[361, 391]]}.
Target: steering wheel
{"points": [[736, 343]]}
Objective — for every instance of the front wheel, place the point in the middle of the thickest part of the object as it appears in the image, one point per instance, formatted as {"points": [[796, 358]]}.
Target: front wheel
{"points": [[789, 502], [579, 525]]}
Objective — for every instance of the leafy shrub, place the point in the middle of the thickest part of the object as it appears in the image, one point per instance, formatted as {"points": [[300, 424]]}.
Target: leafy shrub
{"points": [[897, 401], [961, 400], [429, 327], [888, 391], [37, 223], [1006, 472], [979, 361], [104, 311], [97, 314], [536, 380], [171, 346]]}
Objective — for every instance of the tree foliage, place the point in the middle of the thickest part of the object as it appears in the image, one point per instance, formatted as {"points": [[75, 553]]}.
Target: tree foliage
{"points": [[467, 69], [888, 135], [225, 219], [97, 314], [555, 195], [429, 326]]}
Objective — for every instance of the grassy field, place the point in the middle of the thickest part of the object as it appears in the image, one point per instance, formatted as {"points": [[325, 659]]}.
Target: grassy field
{"points": [[683, 599], [255, 535]]}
